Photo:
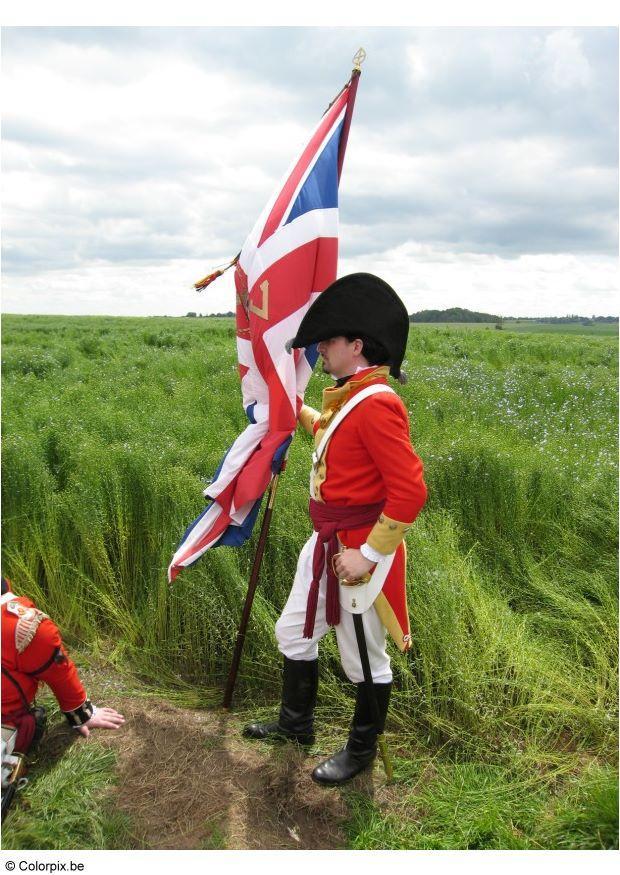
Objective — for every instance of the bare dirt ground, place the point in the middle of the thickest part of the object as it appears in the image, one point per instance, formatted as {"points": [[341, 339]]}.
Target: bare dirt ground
{"points": [[188, 780]]}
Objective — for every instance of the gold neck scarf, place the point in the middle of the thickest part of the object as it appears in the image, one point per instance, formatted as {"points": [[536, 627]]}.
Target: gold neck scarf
{"points": [[335, 397]]}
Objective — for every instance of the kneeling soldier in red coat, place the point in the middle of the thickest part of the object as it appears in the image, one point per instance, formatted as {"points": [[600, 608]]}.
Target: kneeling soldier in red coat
{"points": [[32, 651], [366, 489]]}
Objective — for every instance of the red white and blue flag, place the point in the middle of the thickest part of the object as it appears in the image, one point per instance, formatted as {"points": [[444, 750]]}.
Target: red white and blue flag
{"points": [[289, 257]]}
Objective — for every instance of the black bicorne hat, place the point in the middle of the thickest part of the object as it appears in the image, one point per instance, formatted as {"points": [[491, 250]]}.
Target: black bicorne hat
{"points": [[359, 304]]}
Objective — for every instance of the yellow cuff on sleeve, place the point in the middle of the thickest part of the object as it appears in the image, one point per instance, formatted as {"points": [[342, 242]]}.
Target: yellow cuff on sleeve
{"points": [[386, 534], [307, 417]]}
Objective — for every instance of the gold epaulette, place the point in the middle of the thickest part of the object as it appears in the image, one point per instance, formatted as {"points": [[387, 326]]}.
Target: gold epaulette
{"points": [[307, 418], [29, 620]]}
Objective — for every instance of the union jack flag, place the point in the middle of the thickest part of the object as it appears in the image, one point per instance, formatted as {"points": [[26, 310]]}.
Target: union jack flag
{"points": [[289, 257]]}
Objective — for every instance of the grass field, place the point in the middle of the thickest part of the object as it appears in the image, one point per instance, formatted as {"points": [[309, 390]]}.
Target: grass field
{"points": [[598, 329], [504, 715]]}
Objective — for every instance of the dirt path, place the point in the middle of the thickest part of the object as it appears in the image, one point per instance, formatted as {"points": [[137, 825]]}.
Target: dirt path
{"points": [[188, 780]]}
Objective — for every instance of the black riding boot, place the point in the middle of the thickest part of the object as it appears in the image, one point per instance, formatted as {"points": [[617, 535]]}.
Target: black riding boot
{"points": [[300, 683], [361, 748]]}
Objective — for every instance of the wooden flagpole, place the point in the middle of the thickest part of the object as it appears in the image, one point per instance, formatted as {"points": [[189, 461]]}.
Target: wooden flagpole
{"points": [[249, 599]]}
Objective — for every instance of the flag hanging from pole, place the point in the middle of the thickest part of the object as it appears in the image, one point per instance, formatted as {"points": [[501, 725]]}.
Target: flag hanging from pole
{"points": [[287, 260]]}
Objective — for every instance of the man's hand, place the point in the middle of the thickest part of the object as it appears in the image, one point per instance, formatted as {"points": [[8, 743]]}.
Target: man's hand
{"points": [[104, 718], [352, 565]]}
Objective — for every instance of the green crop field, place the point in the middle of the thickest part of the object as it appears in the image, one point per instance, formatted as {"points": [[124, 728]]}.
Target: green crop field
{"points": [[503, 721], [596, 329]]}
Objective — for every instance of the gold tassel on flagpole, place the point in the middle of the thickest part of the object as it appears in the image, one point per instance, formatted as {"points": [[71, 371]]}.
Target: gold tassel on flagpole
{"points": [[208, 279]]}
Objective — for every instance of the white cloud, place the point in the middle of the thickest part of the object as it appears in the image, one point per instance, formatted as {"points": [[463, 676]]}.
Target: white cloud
{"points": [[425, 278], [564, 64], [110, 289], [537, 285], [133, 156]]}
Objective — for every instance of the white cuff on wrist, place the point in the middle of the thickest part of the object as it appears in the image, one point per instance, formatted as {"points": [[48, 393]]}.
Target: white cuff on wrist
{"points": [[370, 553]]}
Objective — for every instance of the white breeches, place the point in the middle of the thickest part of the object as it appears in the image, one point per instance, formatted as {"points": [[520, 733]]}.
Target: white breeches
{"points": [[289, 628]]}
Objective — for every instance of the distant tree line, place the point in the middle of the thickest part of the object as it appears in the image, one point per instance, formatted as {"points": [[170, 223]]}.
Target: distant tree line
{"points": [[192, 315], [453, 314], [458, 314], [564, 320]]}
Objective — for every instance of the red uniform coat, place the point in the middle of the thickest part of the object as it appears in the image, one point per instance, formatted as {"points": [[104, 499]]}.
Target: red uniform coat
{"points": [[32, 651], [369, 459]]}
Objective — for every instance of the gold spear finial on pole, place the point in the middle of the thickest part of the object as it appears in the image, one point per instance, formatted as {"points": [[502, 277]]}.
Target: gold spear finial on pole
{"points": [[358, 59]]}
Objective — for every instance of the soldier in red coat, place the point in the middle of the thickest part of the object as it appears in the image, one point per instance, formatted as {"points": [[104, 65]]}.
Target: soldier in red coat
{"points": [[366, 489], [32, 651]]}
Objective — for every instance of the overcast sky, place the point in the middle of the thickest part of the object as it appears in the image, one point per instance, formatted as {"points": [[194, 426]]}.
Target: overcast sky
{"points": [[481, 171]]}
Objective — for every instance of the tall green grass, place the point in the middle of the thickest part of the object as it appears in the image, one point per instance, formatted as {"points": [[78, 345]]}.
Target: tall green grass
{"points": [[70, 814], [111, 427]]}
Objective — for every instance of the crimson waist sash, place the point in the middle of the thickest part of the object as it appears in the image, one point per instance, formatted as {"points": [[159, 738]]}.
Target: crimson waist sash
{"points": [[328, 520]]}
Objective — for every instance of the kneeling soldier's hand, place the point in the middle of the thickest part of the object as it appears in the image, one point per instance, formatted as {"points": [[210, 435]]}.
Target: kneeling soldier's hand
{"points": [[103, 718]]}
